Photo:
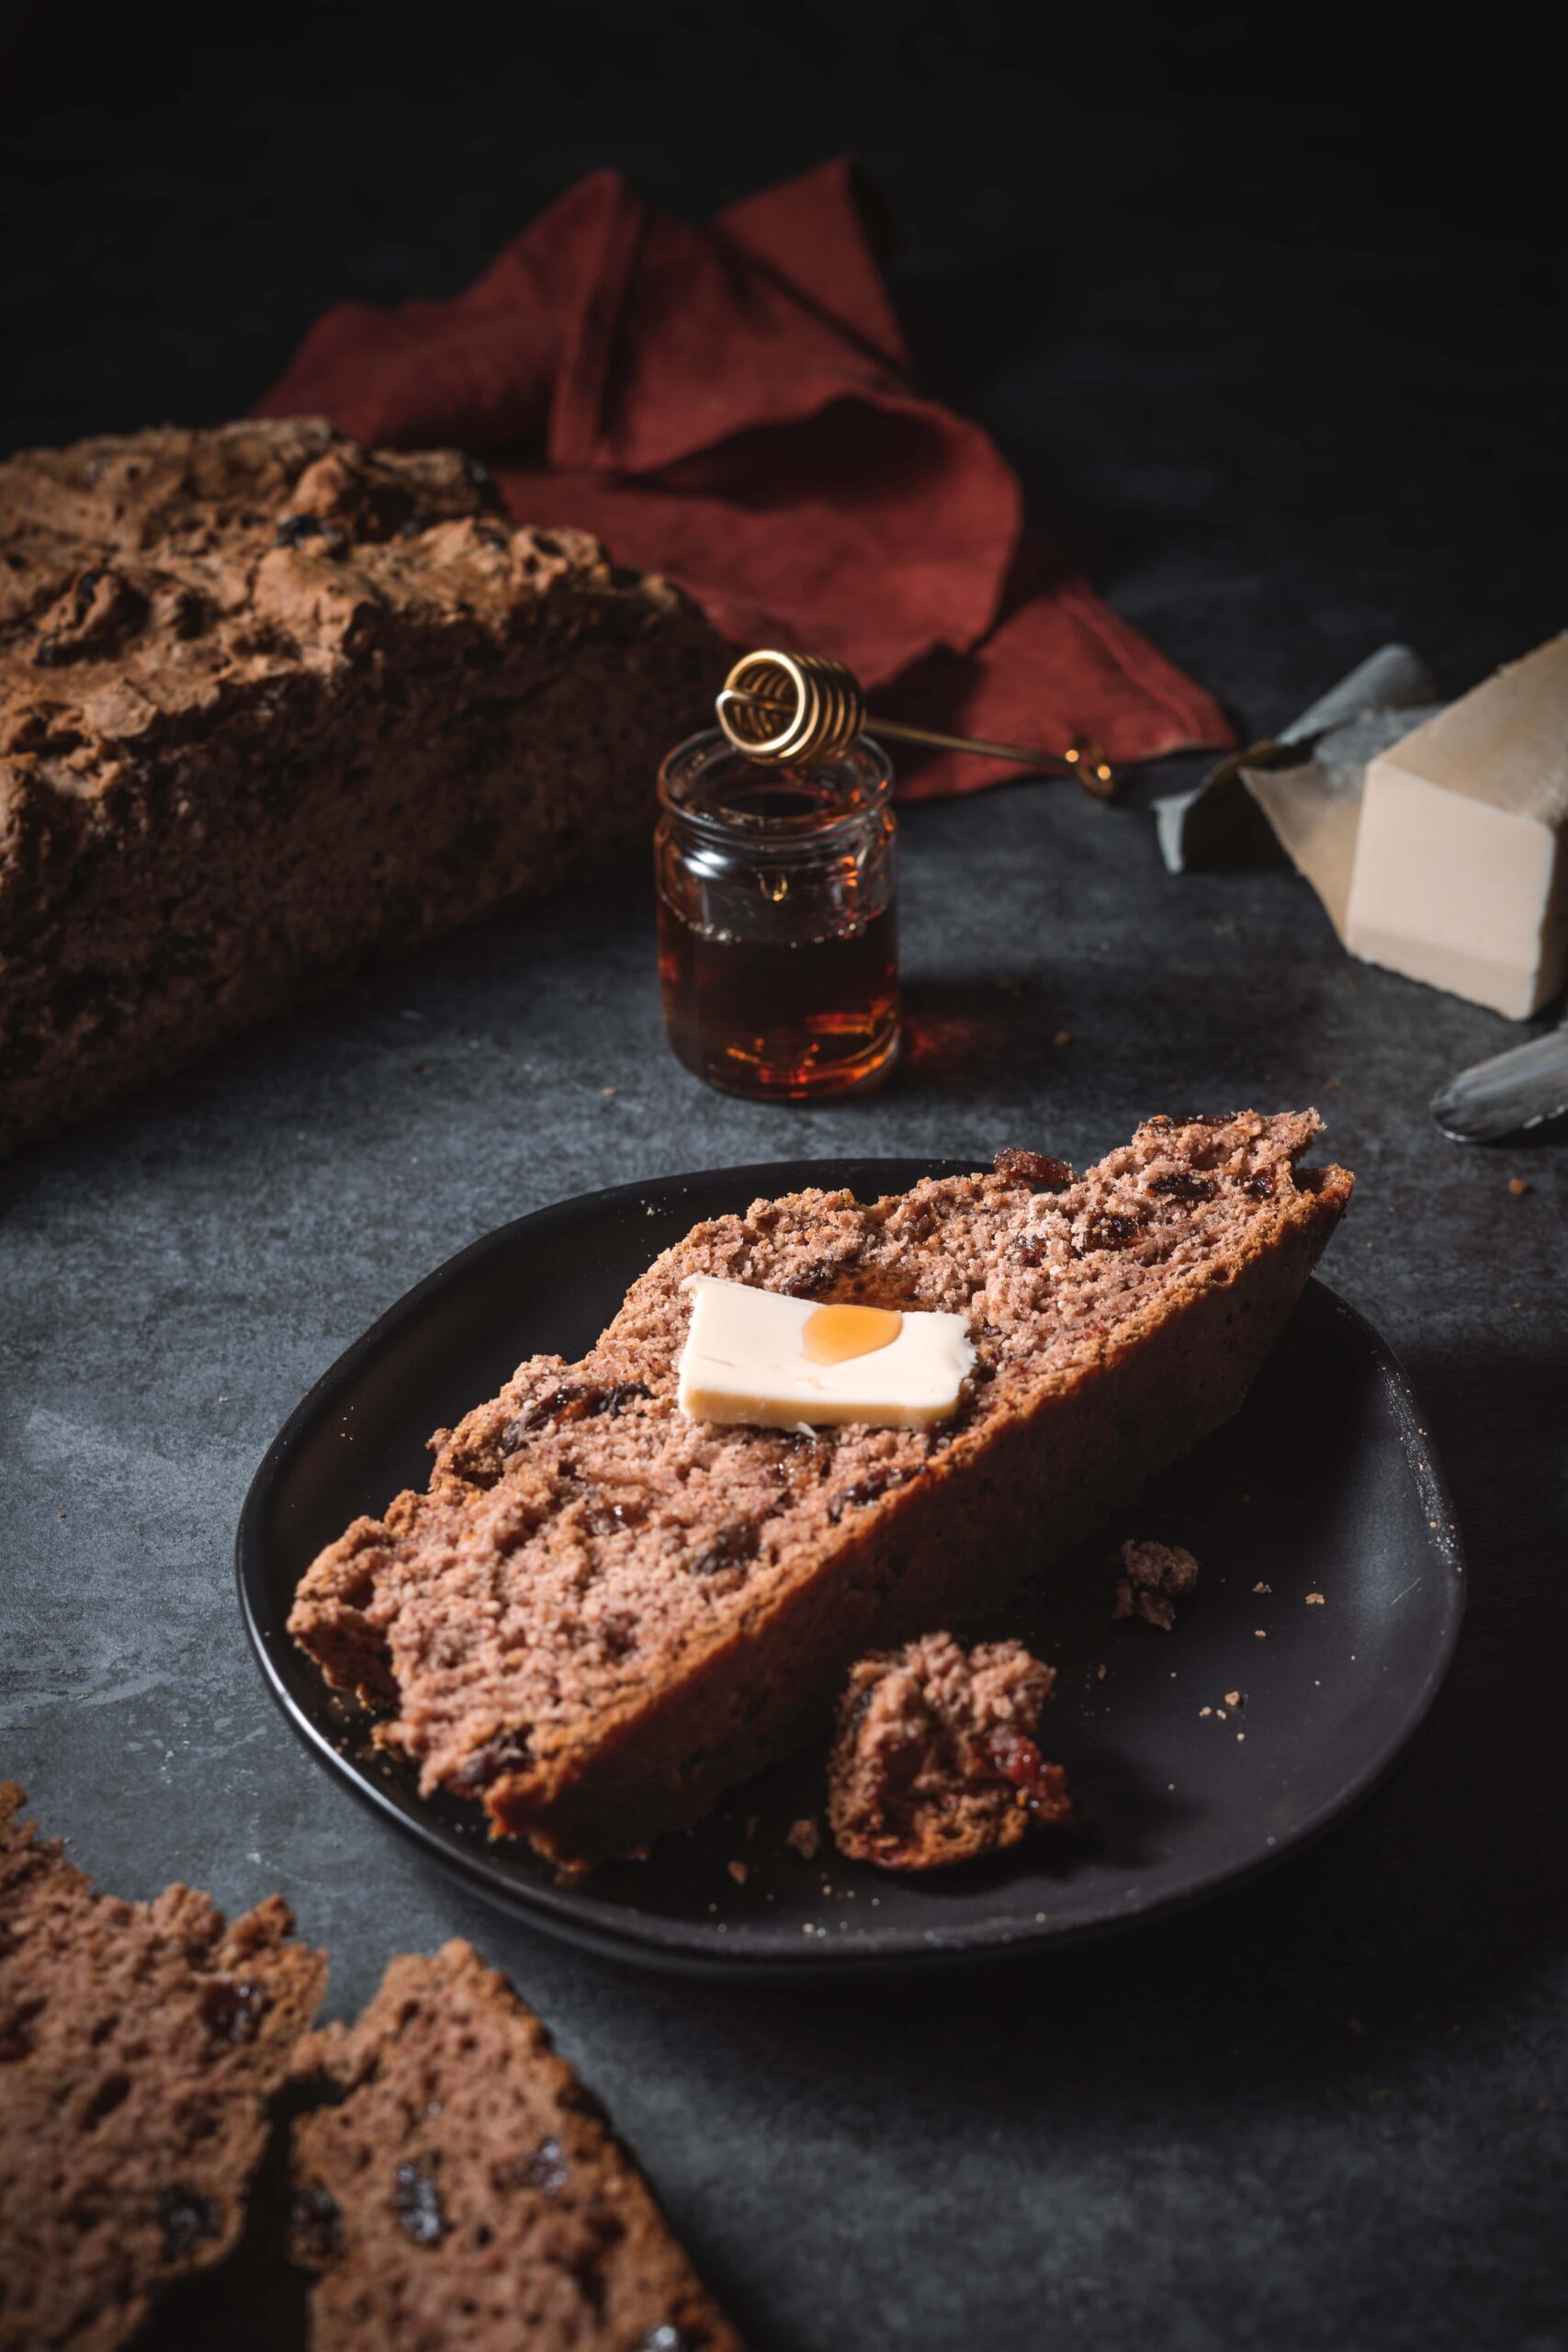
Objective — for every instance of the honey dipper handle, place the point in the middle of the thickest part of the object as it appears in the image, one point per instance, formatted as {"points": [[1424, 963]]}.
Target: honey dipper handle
{"points": [[1083, 757]]}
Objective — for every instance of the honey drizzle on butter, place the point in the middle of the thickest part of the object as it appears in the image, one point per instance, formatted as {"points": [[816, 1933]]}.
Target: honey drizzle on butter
{"points": [[833, 1334]]}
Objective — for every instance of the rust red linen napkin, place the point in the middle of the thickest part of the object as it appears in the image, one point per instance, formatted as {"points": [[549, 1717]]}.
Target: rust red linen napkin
{"points": [[731, 403]]}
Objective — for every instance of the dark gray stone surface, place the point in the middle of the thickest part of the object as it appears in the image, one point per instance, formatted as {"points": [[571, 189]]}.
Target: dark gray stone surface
{"points": [[1327, 2112]]}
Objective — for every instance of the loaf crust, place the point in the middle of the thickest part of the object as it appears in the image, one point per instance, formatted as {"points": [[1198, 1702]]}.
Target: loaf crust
{"points": [[466, 2189], [138, 2045], [271, 704], [600, 1615]]}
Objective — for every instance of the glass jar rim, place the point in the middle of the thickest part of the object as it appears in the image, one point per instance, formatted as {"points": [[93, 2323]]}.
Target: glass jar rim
{"points": [[866, 766]]}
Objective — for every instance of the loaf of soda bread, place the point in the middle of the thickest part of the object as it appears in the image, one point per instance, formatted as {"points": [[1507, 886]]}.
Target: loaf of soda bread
{"points": [[272, 705]]}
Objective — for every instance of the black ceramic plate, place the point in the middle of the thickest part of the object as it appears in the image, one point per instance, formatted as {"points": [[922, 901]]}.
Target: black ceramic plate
{"points": [[1329, 1602]]}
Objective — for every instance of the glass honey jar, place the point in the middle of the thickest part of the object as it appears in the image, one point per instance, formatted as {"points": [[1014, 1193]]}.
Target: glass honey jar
{"points": [[777, 919]]}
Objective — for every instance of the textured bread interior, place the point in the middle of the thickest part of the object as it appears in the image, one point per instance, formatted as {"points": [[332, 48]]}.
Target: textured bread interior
{"points": [[936, 1758]]}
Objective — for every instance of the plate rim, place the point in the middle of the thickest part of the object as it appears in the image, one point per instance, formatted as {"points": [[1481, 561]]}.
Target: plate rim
{"points": [[680, 1947]]}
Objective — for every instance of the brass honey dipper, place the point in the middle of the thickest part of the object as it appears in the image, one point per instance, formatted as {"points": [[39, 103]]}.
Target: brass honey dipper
{"points": [[784, 708]]}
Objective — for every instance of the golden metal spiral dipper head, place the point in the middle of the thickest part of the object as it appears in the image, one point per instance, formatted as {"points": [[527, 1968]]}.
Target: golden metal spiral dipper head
{"points": [[788, 709]]}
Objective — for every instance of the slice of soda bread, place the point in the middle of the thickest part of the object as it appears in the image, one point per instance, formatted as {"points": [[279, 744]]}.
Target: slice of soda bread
{"points": [[603, 1613], [466, 2191]]}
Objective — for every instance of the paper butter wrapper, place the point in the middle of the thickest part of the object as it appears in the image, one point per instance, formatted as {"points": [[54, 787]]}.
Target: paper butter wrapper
{"points": [[1315, 809], [1221, 823]]}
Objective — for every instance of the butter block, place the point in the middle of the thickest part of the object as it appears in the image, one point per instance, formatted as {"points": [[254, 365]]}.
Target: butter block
{"points": [[1461, 877], [747, 1359]]}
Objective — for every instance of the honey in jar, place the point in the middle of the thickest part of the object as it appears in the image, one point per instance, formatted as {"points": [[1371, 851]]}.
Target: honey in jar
{"points": [[777, 919]]}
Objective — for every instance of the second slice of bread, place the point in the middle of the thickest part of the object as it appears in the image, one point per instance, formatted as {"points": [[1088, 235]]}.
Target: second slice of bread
{"points": [[466, 2190]]}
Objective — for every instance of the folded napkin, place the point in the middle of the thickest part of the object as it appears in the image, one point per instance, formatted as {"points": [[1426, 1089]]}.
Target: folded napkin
{"points": [[732, 403]]}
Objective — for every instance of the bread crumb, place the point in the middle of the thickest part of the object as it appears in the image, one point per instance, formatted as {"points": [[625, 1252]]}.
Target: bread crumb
{"points": [[1151, 1607], [1314, 1600], [1232, 1698], [1064, 1037], [739, 1873], [606, 1091], [1262, 1588], [1153, 1576], [1519, 1186], [1205, 1711], [805, 1838]]}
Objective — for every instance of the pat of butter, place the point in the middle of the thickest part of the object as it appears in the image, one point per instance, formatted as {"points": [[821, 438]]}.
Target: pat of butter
{"points": [[750, 1357], [1461, 877]]}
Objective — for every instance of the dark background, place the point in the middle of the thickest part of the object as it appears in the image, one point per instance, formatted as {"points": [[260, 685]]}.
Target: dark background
{"points": [[1267, 312]]}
